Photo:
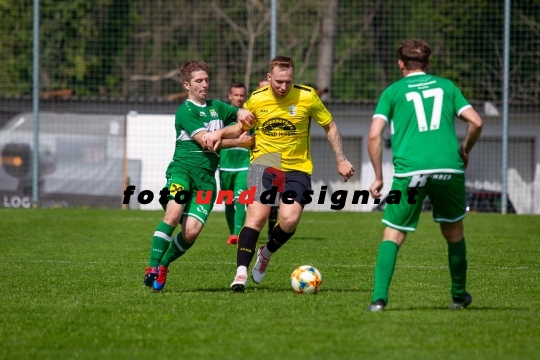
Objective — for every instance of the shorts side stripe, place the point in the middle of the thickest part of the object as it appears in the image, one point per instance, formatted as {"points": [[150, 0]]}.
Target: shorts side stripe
{"points": [[397, 227], [449, 220], [195, 216]]}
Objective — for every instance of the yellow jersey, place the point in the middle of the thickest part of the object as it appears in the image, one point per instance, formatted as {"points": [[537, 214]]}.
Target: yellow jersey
{"points": [[282, 125]]}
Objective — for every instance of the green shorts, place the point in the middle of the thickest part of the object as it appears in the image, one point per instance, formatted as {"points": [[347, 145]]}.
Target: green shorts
{"points": [[233, 180], [192, 180], [446, 192]]}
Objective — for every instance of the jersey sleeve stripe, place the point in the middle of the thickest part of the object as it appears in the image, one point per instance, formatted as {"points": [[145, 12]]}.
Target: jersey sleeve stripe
{"points": [[259, 91], [463, 109], [197, 131], [302, 88], [380, 116]]}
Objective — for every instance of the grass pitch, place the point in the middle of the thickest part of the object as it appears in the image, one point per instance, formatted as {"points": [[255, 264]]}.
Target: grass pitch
{"points": [[72, 289]]}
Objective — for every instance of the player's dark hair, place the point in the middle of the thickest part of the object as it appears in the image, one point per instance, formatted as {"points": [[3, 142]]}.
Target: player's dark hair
{"points": [[190, 67], [237, 85], [261, 80], [414, 53], [282, 62]]}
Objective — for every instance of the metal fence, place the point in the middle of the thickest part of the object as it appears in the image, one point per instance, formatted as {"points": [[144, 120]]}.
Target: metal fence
{"points": [[99, 60]]}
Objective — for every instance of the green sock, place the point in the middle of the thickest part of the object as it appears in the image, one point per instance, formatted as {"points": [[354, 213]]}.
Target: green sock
{"points": [[457, 262], [160, 243], [239, 217], [384, 269], [229, 215], [177, 248]]}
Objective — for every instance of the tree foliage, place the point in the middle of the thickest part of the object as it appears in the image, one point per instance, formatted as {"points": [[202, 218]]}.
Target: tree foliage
{"points": [[133, 48]]}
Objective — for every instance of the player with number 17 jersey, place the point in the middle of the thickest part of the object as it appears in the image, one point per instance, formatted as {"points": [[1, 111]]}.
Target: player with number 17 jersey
{"points": [[424, 140]]}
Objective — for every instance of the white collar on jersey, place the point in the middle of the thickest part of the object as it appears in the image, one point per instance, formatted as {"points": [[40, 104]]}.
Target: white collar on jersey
{"points": [[416, 73], [194, 103]]}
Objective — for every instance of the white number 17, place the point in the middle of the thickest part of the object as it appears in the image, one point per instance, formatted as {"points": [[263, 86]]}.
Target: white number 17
{"points": [[415, 97]]}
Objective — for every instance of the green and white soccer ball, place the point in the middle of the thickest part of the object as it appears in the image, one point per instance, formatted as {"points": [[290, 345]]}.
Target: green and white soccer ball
{"points": [[306, 280]]}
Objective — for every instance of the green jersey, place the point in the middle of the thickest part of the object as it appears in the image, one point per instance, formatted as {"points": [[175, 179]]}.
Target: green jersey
{"points": [[191, 119], [234, 159], [421, 109]]}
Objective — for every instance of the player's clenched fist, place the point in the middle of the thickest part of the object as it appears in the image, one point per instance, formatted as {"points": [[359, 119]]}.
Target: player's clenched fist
{"points": [[246, 118], [345, 169]]}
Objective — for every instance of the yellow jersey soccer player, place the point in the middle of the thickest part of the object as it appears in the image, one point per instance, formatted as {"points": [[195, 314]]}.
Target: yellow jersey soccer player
{"points": [[283, 114]]}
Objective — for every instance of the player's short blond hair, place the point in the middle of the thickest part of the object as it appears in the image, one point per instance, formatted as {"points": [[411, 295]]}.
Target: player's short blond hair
{"points": [[190, 67], [282, 62], [414, 53]]}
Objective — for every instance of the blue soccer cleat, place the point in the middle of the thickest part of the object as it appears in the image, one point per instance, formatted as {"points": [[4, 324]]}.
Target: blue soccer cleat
{"points": [[159, 283]]}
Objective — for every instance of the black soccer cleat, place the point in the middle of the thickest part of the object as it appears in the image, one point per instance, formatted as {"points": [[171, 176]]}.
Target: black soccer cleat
{"points": [[150, 276], [461, 304]]}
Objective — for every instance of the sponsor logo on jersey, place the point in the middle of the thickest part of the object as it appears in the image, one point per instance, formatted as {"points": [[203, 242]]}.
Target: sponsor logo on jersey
{"points": [[175, 188], [279, 127], [213, 113], [292, 110], [264, 111], [441, 176], [201, 209], [201, 113]]}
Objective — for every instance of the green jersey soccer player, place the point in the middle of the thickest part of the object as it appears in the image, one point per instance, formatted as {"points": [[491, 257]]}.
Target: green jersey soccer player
{"points": [[200, 126], [233, 169], [428, 160]]}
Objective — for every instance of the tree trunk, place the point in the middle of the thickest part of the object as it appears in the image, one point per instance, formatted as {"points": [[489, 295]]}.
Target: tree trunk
{"points": [[156, 62], [222, 75], [326, 47]]}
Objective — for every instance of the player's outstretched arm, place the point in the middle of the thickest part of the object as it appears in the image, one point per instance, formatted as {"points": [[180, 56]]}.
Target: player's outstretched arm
{"points": [[228, 137], [474, 129], [374, 148], [244, 140], [202, 139], [213, 140], [345, 168]]}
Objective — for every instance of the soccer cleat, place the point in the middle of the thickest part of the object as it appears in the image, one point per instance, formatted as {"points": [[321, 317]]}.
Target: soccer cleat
{"points": [[233, 240], [159, 283], [239, 283], [259, 270], [461, 304], [150, 275], [376, 306]]}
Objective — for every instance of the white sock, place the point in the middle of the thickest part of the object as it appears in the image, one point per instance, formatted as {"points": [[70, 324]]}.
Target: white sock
{"points": [[241, 270], [267, 254]]}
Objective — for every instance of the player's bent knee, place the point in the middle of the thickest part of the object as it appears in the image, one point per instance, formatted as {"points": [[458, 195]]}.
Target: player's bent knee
{"points": [[452, 232], [190, 235], [288, 223]]}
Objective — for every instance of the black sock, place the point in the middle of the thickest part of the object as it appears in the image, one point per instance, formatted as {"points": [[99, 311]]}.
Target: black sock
{"points": [[279, 237], [272, 219], [247, 242]]}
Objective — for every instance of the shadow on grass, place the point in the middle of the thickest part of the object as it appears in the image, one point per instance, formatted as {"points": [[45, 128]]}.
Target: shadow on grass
{"points": [[304, 238], [260, 289], [309, 238], [445, 308]]}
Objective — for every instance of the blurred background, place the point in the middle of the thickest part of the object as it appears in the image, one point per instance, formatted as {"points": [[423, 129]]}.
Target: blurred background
{"points": [[109, 86]]}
